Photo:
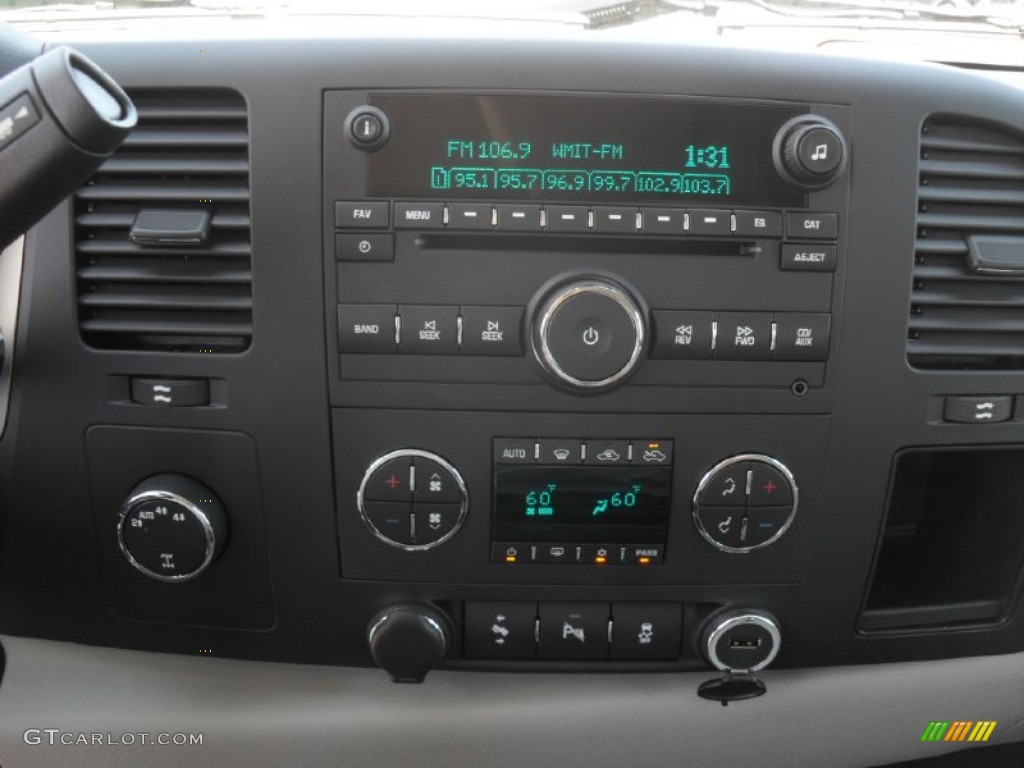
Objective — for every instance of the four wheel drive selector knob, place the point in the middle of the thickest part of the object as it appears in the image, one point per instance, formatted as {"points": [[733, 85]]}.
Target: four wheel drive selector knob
{"points": [[589, 331], [171, 528]]}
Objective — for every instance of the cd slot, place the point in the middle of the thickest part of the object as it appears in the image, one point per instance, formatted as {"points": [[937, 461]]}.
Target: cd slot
{"points": [[449, 241]]}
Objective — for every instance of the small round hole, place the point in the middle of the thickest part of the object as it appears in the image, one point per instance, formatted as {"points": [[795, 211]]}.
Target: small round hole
{"points": [[799, 388]]}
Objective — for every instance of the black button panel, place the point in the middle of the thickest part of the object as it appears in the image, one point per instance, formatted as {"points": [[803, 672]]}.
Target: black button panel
{"points": [[745, 502], [700, 335], [593, 451], [517, 631], [599, 219]]}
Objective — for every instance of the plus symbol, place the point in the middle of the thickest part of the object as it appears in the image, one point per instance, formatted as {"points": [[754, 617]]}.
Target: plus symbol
{"points": [[393, 482], [770, 486]]}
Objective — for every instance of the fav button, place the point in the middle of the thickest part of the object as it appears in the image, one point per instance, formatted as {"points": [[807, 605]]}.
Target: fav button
{"points": [[360, 214]]}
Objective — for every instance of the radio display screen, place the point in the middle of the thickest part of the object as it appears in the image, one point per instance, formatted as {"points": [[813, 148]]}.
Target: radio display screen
{"points": [[579, 148], [582, 504]]}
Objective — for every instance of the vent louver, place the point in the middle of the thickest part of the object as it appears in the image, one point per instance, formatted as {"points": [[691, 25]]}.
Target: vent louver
{"points": [[970, 202], [189, 155]]}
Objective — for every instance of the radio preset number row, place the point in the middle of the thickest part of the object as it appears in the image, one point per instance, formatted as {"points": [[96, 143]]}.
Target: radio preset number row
{"points": [[511, 217]]}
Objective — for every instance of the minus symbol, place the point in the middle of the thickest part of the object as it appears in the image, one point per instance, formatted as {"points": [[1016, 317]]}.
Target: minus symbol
{"points": [[469, 214], [518, 215], [710, 219], [615, 217], [664, 218], [568, 216]]}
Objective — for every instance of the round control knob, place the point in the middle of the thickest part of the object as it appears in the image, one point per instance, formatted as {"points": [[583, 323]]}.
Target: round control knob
{"points": [[367, 128], [809, 152], [171, 528], [588, 334], [412, 499], [745, 503], [407, 641], [741, 640]]}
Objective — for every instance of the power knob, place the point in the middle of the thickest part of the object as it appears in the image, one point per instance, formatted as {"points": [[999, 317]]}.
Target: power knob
{"points": [[171, 528], [589, 332], [809, 152]]}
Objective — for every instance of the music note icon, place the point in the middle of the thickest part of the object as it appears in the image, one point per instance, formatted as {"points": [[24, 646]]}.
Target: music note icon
{"points": [[820, 152]]}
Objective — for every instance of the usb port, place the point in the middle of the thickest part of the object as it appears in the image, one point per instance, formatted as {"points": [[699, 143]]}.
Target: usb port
{"points": [[745, 643]]}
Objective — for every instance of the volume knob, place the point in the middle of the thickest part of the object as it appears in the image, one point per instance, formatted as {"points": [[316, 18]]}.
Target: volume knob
{"points": [[810, 152]]}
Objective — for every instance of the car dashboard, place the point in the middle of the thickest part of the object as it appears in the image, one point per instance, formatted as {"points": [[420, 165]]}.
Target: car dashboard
{"points": [[578, 372]]}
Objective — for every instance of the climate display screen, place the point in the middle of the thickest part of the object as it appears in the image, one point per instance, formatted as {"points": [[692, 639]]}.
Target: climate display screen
{"points": [[595, 504], [579, 148]]}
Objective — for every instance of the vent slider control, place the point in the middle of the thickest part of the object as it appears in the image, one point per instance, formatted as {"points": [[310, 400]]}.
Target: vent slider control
{"points": [[184, 228]]}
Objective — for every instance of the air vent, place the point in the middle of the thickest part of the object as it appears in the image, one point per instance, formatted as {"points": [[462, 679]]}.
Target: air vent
{"points": [[141, 288], [967, 305]]}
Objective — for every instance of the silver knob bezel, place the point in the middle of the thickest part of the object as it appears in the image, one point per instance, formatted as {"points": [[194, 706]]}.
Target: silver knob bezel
{"points": [[725, 464], [192, 508], [542, 347], [412, 453], [734, 620]]}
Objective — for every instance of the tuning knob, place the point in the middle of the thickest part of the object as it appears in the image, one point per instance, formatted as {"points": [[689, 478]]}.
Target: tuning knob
{"points": [[171, 528], [809, 152], [407, 641], [588, 333]]}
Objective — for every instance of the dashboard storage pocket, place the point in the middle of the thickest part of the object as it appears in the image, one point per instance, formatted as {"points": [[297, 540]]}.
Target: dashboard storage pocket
{"points": [[952, 548]]}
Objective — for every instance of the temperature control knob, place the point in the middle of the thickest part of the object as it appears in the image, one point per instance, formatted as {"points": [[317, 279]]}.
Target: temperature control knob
{"points": [[588, 333], [809, 152], [171, 528]]}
